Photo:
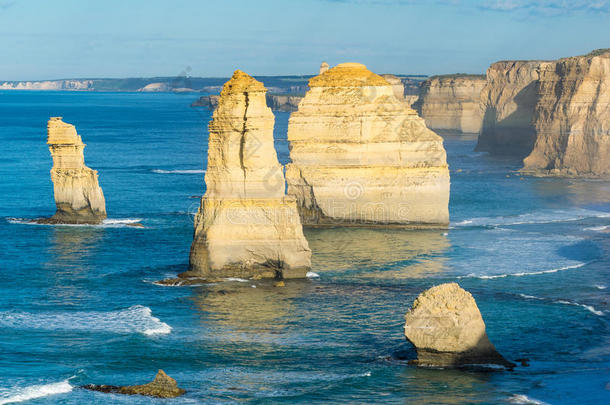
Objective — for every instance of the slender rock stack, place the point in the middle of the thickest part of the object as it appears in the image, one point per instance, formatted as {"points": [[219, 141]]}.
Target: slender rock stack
{"points": [[78, 196], [246, 225], [360, 156], [447, 330]]}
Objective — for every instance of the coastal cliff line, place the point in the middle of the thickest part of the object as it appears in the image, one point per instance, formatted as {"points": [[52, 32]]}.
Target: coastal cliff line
{"points": [[553, 114], [451, 102]]}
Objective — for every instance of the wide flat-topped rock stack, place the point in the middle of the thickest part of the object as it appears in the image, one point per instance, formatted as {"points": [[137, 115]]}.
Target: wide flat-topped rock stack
{"points": [[246, 225], [361, 156], [78, 196]]}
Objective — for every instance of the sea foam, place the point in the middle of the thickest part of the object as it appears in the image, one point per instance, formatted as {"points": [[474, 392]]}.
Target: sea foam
{"points": [[16, 394], [521, 274], [589, 308], [524, 399], [537, 217], [107, 223], [135, 319], [161, 171]]}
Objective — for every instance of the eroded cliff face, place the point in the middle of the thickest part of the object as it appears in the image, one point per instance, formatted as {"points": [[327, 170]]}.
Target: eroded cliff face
{"points": [[508, 103], [246, 225], [78, 196], [452, 103], [572, 118], [362, 156]]}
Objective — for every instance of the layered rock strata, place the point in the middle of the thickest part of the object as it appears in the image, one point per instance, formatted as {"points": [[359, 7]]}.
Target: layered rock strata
{"points": [[572, 118], [78, 196], [246, 225], [508, 103], [397, 86], [360, 156], [277, 102], [163, 386], [447, 330], [452, 103]]}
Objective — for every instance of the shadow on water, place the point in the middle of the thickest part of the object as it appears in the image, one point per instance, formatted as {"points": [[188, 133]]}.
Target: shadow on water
{"points": [[430, 386]]}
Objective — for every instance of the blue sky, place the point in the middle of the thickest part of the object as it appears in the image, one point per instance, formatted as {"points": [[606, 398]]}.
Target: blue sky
{"points": [[43, 39]]}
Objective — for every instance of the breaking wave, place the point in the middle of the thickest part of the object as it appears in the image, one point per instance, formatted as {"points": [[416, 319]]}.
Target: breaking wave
{"points": [[540, 217], [107, 223], [135, 319], [161, 171], [531, 273], [16, 394], [524, 399], [589, 308]]}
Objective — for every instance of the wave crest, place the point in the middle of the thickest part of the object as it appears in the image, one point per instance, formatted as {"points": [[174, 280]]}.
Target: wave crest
{"points": [[135, 319]]}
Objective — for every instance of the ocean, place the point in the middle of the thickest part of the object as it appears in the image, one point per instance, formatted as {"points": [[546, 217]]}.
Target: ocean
{"points": [[78, 304]]}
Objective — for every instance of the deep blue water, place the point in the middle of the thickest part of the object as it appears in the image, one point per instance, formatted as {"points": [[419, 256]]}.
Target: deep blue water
{"points": [[77, 303]]}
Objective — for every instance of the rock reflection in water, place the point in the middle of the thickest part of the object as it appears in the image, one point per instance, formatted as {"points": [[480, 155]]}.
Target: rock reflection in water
{"points": [[378, 253], [240, 313]]}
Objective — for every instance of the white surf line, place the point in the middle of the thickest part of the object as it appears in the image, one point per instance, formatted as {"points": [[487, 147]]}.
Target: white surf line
{"points": [[36, 391], [193, 171], [532, 273], [589, 308]]}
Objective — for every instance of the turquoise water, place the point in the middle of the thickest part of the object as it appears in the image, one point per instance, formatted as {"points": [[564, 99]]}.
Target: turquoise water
{"points": [[77, 303]]}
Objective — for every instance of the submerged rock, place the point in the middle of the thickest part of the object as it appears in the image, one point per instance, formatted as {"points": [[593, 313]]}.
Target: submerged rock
{"points": [[246, 226], [163, 386], [78, 196], [361, 156], [447, 330]]}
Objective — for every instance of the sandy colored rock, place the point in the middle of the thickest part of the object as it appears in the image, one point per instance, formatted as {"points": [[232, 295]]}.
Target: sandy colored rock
{"points": [[452, 102], [397, 86], [323, 67], [163, 386], [572, 118], [78, 196], [360, 156], [447, 329], [246, 226], [508, 103]]}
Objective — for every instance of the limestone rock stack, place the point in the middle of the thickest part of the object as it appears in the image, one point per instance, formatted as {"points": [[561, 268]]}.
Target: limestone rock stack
{"points": [[572, 117], [246, 225], [508, 103], [323, 67], [362, 156], [447, 329], [397, 86], [452, 102], [78, 196]]}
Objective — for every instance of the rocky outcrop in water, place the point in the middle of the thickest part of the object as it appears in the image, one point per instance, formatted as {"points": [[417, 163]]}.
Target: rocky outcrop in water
{"points": [[447, 330], [246, 225], [452, 102], [163, 386], [572, 118], [508, 103], [360, 156], [78, 196]]}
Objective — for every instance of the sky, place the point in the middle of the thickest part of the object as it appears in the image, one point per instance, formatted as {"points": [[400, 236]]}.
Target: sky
{"points": [[42, 39]]}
